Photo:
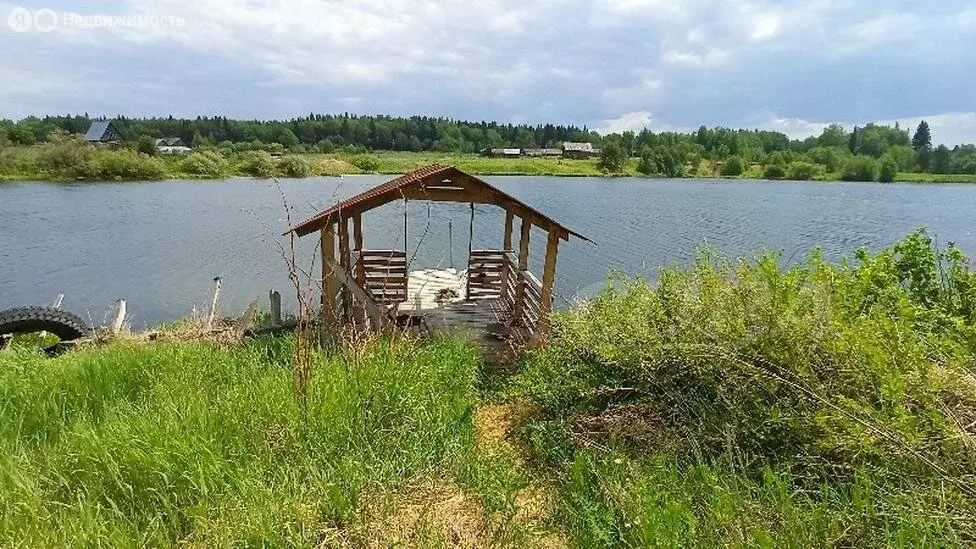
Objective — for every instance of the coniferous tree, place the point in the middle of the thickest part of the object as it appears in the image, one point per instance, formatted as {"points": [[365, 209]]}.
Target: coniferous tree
{"points": [[922, 143]]}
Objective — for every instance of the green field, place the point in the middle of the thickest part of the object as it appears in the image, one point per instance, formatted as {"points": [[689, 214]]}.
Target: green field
{"points": [[735, 404]]}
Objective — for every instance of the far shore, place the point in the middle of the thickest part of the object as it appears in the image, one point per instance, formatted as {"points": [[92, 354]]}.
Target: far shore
{"points": [[394, 163]]}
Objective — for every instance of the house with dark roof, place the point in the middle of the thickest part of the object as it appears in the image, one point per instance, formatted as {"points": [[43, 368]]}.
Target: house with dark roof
{"points": [[172, 145], [102, 131]]}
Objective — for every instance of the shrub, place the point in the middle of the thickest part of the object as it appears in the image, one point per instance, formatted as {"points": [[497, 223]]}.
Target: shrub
{"points": [[841, 382], [860, 168], [295, 166], [775, 171], [366, 163], [125, 164], [146, 145], [733, 166], [258, 164], [67, 158], [646, 165], [802, 171], [888, 169], [206, 163]]}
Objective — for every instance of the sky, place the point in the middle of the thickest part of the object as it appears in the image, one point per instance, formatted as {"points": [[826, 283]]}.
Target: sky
{"points": [[613, 65]]}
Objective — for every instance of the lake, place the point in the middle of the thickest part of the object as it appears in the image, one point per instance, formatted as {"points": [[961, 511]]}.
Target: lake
{"points": [[159, 244]]}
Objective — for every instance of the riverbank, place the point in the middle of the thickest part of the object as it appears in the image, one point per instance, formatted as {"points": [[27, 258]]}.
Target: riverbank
{"points": [[735, 404], [73, 162]]}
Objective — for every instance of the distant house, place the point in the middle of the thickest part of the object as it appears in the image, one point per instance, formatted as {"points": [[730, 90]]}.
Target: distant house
{"points": [[578, 150], [172, 145], [502, 153], [102, 131], [539, 153]]}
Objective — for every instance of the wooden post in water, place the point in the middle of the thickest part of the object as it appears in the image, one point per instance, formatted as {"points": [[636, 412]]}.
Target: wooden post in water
{"points": [[214, 303], [275, 297], [119, 318]]}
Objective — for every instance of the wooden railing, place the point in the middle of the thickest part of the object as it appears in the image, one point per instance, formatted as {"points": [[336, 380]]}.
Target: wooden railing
{"points": [[384, 274], [485, 274]]}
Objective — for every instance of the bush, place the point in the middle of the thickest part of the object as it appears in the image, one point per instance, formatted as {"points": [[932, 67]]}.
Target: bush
{"points": [[646, 165], [295, 166], [366, 163], [775, 171], [68, 158], [860, 168], [206, 163], [125, 164], [146, 145], [888, 169], [840, 385], [258, 164], [733, 166], [802, 170]]}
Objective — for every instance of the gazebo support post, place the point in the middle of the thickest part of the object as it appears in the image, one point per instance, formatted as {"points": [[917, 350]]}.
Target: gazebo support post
{"points": [[548, 278], [507, 247], [357, 232], [523, 265], [327, 238], [344, 263]]}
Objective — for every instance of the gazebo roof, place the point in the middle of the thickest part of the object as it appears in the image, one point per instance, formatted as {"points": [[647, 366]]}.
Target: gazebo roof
{"points": [[434, 182]]}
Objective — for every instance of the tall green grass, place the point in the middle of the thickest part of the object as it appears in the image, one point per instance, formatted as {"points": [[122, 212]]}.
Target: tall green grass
{"points": [[190, 443], [742, 403]]}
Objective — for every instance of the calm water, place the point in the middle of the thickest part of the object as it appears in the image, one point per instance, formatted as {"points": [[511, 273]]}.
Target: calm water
{"points": [[159, 244]]}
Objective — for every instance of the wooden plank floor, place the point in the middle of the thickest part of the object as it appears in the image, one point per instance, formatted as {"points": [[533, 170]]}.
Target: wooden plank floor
{"points": [[439, 295]]}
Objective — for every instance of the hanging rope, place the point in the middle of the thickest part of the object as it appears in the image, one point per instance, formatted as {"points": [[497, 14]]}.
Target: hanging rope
{"points": [[471, 233]]}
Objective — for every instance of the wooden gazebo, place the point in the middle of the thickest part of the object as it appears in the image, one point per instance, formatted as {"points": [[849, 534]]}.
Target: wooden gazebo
{"points": [[495, 290]]}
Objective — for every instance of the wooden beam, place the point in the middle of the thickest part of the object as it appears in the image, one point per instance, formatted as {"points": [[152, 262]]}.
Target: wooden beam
{"points": [[523, 265], [357, 231], [548, 278], [509, 221], [377, 315], [328, 275], [344, 263]]}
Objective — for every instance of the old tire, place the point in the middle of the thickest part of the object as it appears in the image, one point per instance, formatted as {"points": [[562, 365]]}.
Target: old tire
{"points": [[25, 320]]}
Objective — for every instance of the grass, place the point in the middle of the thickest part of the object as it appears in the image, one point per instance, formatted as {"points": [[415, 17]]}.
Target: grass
{"points": [[191, 443], [734, 404]]}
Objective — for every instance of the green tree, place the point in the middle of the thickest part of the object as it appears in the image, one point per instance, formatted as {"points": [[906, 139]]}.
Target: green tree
{"points": [[647, 165], [613, 157], [802, 170], [295, 165], [833, 135], [733, 166], [146, 145], [904, 156], [941, 159], [888, 169], [860, 168], [922, 143]]}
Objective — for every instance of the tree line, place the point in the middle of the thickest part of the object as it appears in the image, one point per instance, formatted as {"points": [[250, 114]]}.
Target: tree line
{"points": [[866, 153], [872, 149]]}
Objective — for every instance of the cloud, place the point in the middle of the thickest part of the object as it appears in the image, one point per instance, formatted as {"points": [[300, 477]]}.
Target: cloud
{"points": [[632, 121], [747, 64]]}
